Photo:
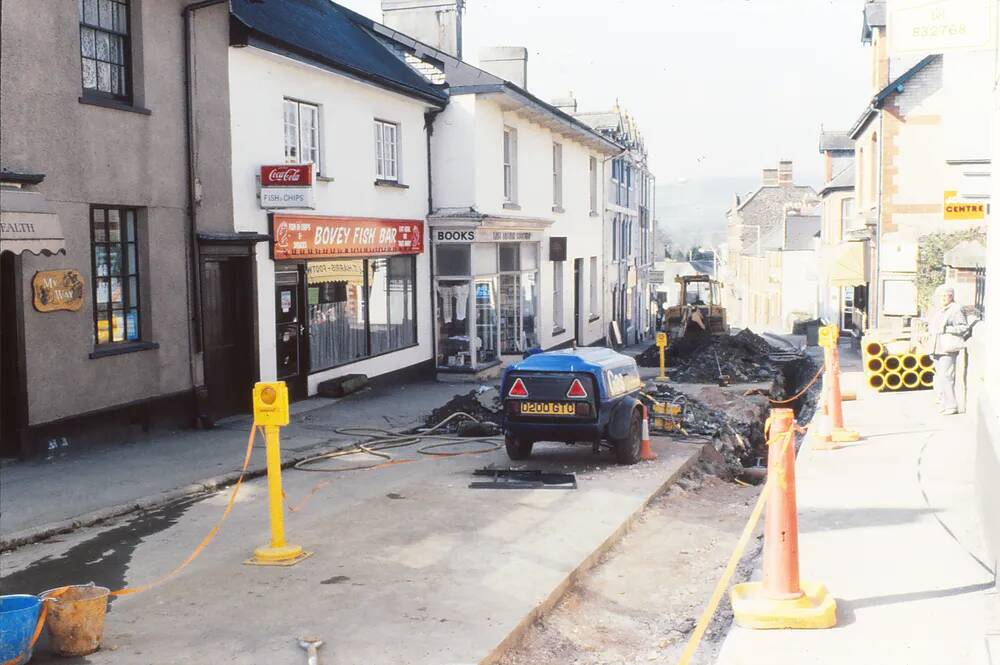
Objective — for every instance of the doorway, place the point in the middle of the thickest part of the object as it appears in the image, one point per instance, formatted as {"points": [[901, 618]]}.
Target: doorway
{"points": [[227, 285], [12, 382], [577, 307], [291, 332]]}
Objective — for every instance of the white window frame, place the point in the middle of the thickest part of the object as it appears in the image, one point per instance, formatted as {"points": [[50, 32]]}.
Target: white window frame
{"points": [[386, 150], [557, 295], [300, 148], [595, 305], [509, 165], [557, 175], [593, 185]]}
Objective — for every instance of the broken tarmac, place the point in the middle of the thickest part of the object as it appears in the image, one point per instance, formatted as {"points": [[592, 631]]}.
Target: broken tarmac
{"points": [[409, 565]]}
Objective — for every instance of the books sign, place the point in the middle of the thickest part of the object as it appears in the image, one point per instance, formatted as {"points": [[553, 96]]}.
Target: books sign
{"points": [[321, 237]]}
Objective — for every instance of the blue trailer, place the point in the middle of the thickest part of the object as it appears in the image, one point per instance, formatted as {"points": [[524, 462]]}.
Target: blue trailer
{"points": [[584, 395]]}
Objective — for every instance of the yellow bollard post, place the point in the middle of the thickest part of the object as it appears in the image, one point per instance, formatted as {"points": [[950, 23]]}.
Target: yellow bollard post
{"points": [[270, 411], [661, 341]]}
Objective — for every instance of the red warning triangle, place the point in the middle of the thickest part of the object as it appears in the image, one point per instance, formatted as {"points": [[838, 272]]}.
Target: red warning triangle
{"points": [[576, 390], [518, 389]]}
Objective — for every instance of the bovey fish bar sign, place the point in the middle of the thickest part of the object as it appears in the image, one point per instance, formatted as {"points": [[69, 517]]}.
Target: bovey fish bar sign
{"points": [[320, 237]]}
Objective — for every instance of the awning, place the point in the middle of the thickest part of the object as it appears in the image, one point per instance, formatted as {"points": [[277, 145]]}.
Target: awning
{"points": [[29, 223], [847, 264]]}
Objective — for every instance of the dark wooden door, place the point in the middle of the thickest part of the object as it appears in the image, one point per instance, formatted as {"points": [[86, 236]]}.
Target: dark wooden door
{"points": [[227, 288], [11, 368], [291, 333], [577, 294]]}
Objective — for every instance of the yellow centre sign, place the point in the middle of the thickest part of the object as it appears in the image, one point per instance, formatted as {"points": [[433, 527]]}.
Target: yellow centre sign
{"points": [[957, 209]]}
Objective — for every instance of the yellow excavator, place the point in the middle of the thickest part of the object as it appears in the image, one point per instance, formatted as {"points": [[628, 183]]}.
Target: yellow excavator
{"points": [[698, 309]]}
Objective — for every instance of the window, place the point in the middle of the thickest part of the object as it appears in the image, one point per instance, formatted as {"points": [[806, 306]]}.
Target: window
{"points": [[557, 294], [360, 308], [614, 239], [386, 151], [846, 213], [595, 306], [105, 47], [301, 133], [557, 195], [509, 165], [116, 275], [593, 185], [453, 259]]}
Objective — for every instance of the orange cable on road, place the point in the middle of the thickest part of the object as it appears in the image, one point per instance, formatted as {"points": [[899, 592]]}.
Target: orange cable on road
{"points": [[801, 392], [211, 534]]}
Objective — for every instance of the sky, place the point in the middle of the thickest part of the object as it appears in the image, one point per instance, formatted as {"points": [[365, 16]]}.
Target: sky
{"points": [[720, 88]]}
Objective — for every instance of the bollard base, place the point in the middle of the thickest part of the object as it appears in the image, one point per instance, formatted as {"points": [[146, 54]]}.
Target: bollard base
{"points": [[845, 436], [752, 608], [647, 455], [848, 396], [289, 555]]}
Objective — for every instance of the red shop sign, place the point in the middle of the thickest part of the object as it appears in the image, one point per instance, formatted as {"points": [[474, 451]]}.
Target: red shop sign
{"points": [[318, 237], [286, 175]]}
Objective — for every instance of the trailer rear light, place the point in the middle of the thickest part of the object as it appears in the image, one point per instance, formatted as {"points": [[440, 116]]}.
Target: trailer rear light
{"points": [[514, 408], [583, 409], [576, 390], [518, 389]]}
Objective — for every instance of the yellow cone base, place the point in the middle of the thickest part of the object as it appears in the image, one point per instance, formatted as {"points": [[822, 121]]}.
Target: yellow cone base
{"points": [[848, 396], [289, 555], [818, 443], [816, 608], [845, 436]]}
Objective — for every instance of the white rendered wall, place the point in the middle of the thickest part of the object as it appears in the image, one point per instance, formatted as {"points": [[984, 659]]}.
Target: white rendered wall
{"points": [[259, 83]]}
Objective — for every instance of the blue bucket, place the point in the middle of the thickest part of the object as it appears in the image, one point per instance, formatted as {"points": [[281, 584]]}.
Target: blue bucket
{"points": [[18, 622]]}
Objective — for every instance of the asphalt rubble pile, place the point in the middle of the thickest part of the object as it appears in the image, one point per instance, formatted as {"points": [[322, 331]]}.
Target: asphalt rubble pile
{"points": [[483, 404], [702, 358]]}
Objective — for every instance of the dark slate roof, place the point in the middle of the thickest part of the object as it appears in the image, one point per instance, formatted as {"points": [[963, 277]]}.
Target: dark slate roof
{"points": [[800, 232], [840, 181], [897, 86], [322, 32], [833, 141], [765, 208]]}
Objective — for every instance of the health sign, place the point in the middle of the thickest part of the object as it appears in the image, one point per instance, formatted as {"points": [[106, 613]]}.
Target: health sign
{"points": [[319, 237]]}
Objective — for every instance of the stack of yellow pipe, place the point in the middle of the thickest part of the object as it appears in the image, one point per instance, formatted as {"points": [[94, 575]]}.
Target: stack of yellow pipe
{"points": [[896, 371]]}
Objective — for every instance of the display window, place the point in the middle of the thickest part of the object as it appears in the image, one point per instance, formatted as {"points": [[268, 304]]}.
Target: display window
{"points": [[359, 308]]}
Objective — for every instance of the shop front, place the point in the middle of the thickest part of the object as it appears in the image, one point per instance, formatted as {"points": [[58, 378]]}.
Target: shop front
{"points": [[486, 283], [345, 295]]}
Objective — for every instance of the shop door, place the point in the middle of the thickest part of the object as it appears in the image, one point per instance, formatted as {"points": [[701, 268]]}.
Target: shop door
{"points": [[226, 287], [11, 371], [577, 293], [291, 340], [510, 315]]}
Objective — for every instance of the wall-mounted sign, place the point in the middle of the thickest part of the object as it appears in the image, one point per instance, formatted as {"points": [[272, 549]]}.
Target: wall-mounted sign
{"points": [[320, 237], [955, 208], [57, 289], [485, 235], [557, 248], [286, 186], [939, 26]]}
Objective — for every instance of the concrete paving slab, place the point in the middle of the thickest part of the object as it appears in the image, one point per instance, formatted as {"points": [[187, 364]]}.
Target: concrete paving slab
{"points": [[410, 566], [889, 525]]}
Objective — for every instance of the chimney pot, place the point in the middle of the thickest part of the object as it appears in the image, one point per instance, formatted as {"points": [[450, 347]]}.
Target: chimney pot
{"points": [[508, 62], [770, 177], [437, 23], [784, 172]]}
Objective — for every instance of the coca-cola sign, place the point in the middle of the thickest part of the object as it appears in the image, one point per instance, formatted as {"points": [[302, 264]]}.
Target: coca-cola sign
{"points": [[286, 175]]}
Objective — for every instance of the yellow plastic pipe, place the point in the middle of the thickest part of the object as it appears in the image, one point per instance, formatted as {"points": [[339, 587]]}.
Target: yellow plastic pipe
{"points": [[910, 361], [874, 349], [911, 379], [874, 365], [927, 378], [893, 380], [926, 361], [876, 381], [893, 364]]}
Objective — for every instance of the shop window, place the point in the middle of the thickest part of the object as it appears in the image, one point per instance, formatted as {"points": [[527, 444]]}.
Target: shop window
{"points": [[529, 256], [454, 349], [510, 257], [116, 275], [360, 308], [452, 259], [484, 258], [105, 48], [301, 133], [386, 151], [557, 295], [486, 338]]}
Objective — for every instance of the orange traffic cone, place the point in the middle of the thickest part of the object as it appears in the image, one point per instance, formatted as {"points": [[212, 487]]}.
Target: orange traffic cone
{"points": [[834, 399], [782, 600], [645, 451]]}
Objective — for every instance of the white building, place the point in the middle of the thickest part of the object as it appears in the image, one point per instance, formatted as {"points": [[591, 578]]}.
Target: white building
{"points": [[515, 227], [343, 286]]}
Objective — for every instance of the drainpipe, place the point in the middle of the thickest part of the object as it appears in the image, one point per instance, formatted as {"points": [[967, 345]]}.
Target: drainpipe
{"points": [[429, 118], [879, 305], [194, 274]]}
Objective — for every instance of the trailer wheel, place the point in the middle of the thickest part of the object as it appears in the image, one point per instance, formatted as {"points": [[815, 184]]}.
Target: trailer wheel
{"points": [[517, 449], [627, 448]]}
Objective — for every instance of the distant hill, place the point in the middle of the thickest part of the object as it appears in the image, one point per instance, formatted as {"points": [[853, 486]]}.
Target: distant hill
{"points": [[694, 213]]}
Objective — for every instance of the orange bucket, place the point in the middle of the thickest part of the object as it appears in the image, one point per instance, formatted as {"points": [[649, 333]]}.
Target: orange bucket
{"points": [[76, 618]]}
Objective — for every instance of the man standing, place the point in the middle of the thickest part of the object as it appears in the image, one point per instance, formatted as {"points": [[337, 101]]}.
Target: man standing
{"points": [[948, 328]]}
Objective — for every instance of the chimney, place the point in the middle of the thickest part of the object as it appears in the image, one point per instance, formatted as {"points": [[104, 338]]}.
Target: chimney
{"points": [[567, 104], [785, 173], [770, 178], [437, 23], [508, 62]]}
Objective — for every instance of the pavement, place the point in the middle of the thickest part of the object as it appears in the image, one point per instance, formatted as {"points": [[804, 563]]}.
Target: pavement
{"points": [[889, 526], [409, 565], [46, 496]]}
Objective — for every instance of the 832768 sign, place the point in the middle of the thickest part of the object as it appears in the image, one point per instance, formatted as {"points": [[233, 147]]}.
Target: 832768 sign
{"points": [[322, 237]]}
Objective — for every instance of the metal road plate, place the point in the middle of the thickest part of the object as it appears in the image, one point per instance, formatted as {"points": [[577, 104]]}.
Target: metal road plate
{"points": [[548, 409]]}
